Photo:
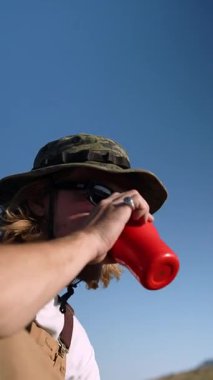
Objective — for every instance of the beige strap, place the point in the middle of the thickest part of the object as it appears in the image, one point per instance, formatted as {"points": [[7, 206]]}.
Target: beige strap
{"points": [[51, 347], [22, 359]]}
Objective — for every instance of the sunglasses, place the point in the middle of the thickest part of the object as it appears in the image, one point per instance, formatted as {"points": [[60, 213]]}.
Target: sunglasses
{"points": [[94, 192]]}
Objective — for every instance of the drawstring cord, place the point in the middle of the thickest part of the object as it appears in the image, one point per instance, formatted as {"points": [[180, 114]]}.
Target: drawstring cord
{"points": [[70, 291], [51, 210], [70, 288]]}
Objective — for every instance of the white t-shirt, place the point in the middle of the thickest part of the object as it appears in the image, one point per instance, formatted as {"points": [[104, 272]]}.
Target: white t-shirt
{"points": [[81, 363]]}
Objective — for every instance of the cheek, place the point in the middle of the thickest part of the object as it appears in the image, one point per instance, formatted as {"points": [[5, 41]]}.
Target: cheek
{"points": [[72, 211], [70, 215], [69, 226]]}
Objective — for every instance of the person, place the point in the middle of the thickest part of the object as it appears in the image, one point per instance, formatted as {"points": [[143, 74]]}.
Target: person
{"points": [[59, 222]]}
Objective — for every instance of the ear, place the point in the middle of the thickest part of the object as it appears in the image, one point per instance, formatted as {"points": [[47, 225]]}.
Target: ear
{"points": [[38, 206]]}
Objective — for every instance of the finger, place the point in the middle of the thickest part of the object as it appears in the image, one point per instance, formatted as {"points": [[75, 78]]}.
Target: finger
{"points": [[140, 215], [138, 208], [110, 199], [151, 218], [142, 219], [141, 212]]}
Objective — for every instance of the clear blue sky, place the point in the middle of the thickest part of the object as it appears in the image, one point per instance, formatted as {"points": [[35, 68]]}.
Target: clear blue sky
{"points": [[140, 72]]}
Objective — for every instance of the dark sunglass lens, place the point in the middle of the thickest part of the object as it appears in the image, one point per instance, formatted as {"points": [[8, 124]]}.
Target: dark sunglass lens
{"points": [[98, 192]]}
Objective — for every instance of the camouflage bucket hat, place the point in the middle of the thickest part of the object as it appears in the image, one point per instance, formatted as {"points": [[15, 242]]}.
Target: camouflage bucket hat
{"points": [[99, 156]]}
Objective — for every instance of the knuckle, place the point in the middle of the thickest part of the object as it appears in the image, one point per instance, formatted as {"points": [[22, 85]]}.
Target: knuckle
{"points": [[135, 192], [145, 205], [103, 202], [115, 193]]}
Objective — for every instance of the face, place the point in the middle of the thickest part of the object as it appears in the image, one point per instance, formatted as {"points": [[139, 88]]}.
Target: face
{"points": [[71, 209], [73, 205]]}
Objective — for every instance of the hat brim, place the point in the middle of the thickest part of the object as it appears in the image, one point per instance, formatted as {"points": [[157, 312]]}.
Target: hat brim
{"points": [[147, 183]]}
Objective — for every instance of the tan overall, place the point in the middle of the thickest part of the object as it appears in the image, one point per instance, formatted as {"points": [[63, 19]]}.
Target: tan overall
{"points": [[36, 355]]}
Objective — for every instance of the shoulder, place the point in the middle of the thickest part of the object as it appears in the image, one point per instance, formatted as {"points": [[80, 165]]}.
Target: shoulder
{"points": [[80, 340], [81, 357], [81, 362], [50, 318]]}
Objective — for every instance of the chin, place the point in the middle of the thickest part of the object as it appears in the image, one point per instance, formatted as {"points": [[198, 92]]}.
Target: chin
{"points": [[91, 274]]}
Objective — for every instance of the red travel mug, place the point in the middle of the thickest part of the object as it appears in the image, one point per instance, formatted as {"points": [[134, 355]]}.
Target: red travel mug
{"points": [[141, 249]]}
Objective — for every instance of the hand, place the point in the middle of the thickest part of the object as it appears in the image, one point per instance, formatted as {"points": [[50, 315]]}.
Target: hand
{"points": [[108, 219]]}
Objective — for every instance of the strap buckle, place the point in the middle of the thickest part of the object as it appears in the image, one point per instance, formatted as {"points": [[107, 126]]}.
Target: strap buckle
{"points": [[63, 350]]}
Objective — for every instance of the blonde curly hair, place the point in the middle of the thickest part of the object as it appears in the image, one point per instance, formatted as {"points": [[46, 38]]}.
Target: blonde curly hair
{"points": [[18, 224]]}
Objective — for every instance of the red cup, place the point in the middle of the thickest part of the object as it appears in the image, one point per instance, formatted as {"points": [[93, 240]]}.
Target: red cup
{"points": [[144, 253]]}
